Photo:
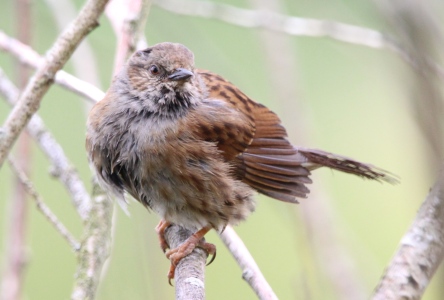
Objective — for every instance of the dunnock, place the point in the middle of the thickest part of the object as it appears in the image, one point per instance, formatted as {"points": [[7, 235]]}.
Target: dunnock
{"points": [[192, 147]]}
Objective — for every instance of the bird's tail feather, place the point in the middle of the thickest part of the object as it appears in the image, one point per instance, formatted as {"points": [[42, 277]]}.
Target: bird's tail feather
{"points": [[318, 158]]}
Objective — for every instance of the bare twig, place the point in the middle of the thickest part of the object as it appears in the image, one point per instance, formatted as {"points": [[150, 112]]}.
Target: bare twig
{"points": [[420, 252], [96, 244], [57, 56], [128, 19], [26, 55], [83, 59], [42, 207], [62, 168], [190, 272], [95, 247], [293, 26], [250, 270]]}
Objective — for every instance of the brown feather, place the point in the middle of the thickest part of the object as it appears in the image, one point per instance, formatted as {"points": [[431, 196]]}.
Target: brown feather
{"points": [[319, 158], [268, 163], [278, 177], [283, 170]]}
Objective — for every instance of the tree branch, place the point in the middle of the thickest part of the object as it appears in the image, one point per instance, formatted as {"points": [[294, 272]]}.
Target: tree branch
{"points": [[42, 207], [420, 252], [190, 272], [83, 60], [62, 168], [27, 56], [128, 19], [95, 247], [96, 244], [39, 84]]}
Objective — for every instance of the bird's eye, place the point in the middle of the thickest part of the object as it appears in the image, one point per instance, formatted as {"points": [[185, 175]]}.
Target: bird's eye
{"points": [[154, 70]]}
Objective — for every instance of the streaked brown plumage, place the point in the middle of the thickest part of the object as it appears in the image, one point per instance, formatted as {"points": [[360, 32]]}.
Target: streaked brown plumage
{"points": [[191, 146]]}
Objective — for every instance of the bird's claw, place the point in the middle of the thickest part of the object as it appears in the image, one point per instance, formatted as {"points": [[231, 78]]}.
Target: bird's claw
{"points": [[177, 254], [210, 249]]}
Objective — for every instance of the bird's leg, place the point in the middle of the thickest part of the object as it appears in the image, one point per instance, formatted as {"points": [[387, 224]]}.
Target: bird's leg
{"points": [[175, 255], [160, 229]]}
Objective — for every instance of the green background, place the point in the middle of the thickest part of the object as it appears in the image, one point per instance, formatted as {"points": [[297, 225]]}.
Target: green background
{"points": [[355, 101]]}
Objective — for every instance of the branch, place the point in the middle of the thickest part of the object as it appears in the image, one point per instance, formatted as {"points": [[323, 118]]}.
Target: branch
{"points": [[420, 252], [95, 247], [83, 59], [190, 272], [128, 19], [42, 207], [39, 84], [27, 56], [96, 243], [293, 26], [62, 168], [250, 271]]}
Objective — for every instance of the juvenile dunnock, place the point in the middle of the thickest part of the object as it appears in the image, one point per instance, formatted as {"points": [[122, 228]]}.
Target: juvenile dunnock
{"points": [[192, 147]]}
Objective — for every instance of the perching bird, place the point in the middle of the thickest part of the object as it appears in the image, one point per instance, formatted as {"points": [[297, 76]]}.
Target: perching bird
{"points": [[192, 147]]}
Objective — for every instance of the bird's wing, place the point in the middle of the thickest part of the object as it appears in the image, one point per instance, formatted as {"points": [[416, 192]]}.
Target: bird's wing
{"points": [[254, 141]]}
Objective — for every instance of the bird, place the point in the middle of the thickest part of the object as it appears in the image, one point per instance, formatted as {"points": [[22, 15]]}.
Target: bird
{"points": [[192, 147]]}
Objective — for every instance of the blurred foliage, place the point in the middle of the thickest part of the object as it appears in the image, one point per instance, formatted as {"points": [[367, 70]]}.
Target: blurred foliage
{"points": [[356, 104]]}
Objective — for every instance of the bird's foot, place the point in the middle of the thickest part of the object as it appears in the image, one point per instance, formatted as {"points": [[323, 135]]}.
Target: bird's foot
{"points": [[160, 229], [176, 255]]}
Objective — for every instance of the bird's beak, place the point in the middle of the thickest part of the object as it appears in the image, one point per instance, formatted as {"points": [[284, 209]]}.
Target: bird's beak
{"points": [[180, 74]]}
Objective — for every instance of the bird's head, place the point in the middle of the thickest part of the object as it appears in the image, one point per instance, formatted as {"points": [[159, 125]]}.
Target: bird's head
{"points": [[163, 77]]}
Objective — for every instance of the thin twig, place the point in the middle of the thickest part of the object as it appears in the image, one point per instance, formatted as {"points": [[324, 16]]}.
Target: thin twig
{"points": [[95, 247], [420, 252], [83, 59], [62, 168], [250, 270], [26, 55], [293, 26], [42, 207], [128, 19], [37, 87]]}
